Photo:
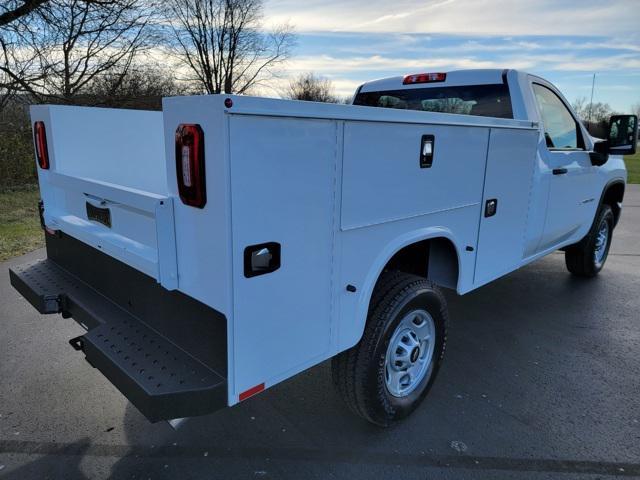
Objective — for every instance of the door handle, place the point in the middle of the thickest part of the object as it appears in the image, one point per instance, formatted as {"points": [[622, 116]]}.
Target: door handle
{"points": [[560, 171]]}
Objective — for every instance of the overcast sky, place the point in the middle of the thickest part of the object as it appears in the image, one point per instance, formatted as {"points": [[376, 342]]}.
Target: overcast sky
{"points": [[564, 41]]}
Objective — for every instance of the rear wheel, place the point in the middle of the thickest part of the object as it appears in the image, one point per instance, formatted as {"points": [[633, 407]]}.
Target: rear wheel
{"points": [[587, 257], [389, 372]]}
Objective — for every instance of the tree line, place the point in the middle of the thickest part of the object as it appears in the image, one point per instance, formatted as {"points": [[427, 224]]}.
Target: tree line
{"points": [[63, 50], [595, 115], [131, 53]]}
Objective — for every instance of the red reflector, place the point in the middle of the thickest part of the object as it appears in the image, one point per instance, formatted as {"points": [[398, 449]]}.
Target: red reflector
{"points": [[424, 78], [190, 165], [40, 137], [251, 392]]}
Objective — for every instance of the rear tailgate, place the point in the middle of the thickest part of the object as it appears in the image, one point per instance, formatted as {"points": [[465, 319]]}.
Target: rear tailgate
{"points": [[106, 185]]}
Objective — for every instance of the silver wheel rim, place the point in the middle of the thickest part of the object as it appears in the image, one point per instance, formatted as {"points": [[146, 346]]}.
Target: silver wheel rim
{"points": [[410, 353], [602, 238]]}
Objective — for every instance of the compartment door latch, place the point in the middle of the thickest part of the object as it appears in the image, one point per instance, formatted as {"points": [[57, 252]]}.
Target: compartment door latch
{"points": [[490, 207], [261, 259], [427, 145]]}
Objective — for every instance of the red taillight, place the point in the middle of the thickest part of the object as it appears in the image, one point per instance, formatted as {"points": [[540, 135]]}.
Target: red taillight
{"points": [[424, 78], [40, 136], [190, 165]]}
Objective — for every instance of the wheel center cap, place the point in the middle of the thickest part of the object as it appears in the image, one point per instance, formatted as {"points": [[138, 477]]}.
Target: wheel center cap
{"points": [[415, 353]]}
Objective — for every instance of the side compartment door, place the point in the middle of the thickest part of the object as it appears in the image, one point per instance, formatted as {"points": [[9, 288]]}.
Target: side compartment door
{"points": [[282, 191], [505, 204]]}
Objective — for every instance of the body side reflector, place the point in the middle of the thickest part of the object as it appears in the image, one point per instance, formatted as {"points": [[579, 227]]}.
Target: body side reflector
{"points": [[251, 392]]}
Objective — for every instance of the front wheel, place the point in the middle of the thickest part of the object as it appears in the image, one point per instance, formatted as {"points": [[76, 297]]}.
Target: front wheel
{"points": [[587, 257], [389, 372]]}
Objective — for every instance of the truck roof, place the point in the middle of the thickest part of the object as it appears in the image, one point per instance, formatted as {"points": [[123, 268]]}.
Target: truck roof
{"points": [[454, 78]]}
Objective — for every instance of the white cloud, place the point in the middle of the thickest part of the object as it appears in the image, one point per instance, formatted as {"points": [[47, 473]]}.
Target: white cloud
{"points": [[470, 17], [330, 65]]}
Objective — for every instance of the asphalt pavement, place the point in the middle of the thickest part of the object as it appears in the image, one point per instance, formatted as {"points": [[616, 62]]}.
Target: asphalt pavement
{"points": [[541, 381]]}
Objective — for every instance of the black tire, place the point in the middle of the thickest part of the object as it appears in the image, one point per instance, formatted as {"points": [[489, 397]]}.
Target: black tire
{"points": [[359, 373], [580, 258]]}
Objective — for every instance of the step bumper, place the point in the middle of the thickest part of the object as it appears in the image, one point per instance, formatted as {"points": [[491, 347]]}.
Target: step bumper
{"points": [[160, 377]]}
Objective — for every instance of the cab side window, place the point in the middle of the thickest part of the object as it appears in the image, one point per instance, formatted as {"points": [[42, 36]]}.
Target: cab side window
{"points": [[560, 128]]}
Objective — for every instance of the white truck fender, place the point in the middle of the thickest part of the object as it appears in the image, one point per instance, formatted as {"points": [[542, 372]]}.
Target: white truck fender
{"points": [[377, 266]]}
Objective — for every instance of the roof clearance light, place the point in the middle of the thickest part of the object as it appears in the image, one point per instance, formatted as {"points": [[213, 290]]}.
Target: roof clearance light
{"points": [[424, 78]]}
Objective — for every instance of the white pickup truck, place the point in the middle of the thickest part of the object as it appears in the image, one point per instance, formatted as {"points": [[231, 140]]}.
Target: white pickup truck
{"points": [[222, 245]]}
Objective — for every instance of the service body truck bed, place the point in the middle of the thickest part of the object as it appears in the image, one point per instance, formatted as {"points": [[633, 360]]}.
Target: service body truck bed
{"points": [[227, 243]]}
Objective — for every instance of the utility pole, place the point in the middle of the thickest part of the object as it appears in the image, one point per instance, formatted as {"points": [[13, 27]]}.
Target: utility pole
{"points": [[593, 84]]}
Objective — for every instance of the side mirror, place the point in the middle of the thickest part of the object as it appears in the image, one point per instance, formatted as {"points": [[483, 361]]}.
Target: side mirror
{"points": [[622, 135], [622, 139], [600, 153]]}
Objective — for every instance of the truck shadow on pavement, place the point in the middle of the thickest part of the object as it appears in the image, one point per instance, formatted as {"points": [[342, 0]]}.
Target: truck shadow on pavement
{"points": [[301, 427], [57, 461]]}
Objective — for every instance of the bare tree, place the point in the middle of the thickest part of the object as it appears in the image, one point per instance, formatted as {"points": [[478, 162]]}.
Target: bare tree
{"points": [[7, 84], [142, 86], [635, 109], [12, 10], [594, 116], [580, 106], [64, 45], [78, 41], [310, 87], [222, 44], [594, 113], [19, 68]]}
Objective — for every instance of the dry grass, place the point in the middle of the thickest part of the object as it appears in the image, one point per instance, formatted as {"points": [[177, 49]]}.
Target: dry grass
{"points": [[20, 230]]}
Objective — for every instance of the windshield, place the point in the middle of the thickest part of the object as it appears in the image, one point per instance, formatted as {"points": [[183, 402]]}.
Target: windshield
{"points": [[481, 100]]}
